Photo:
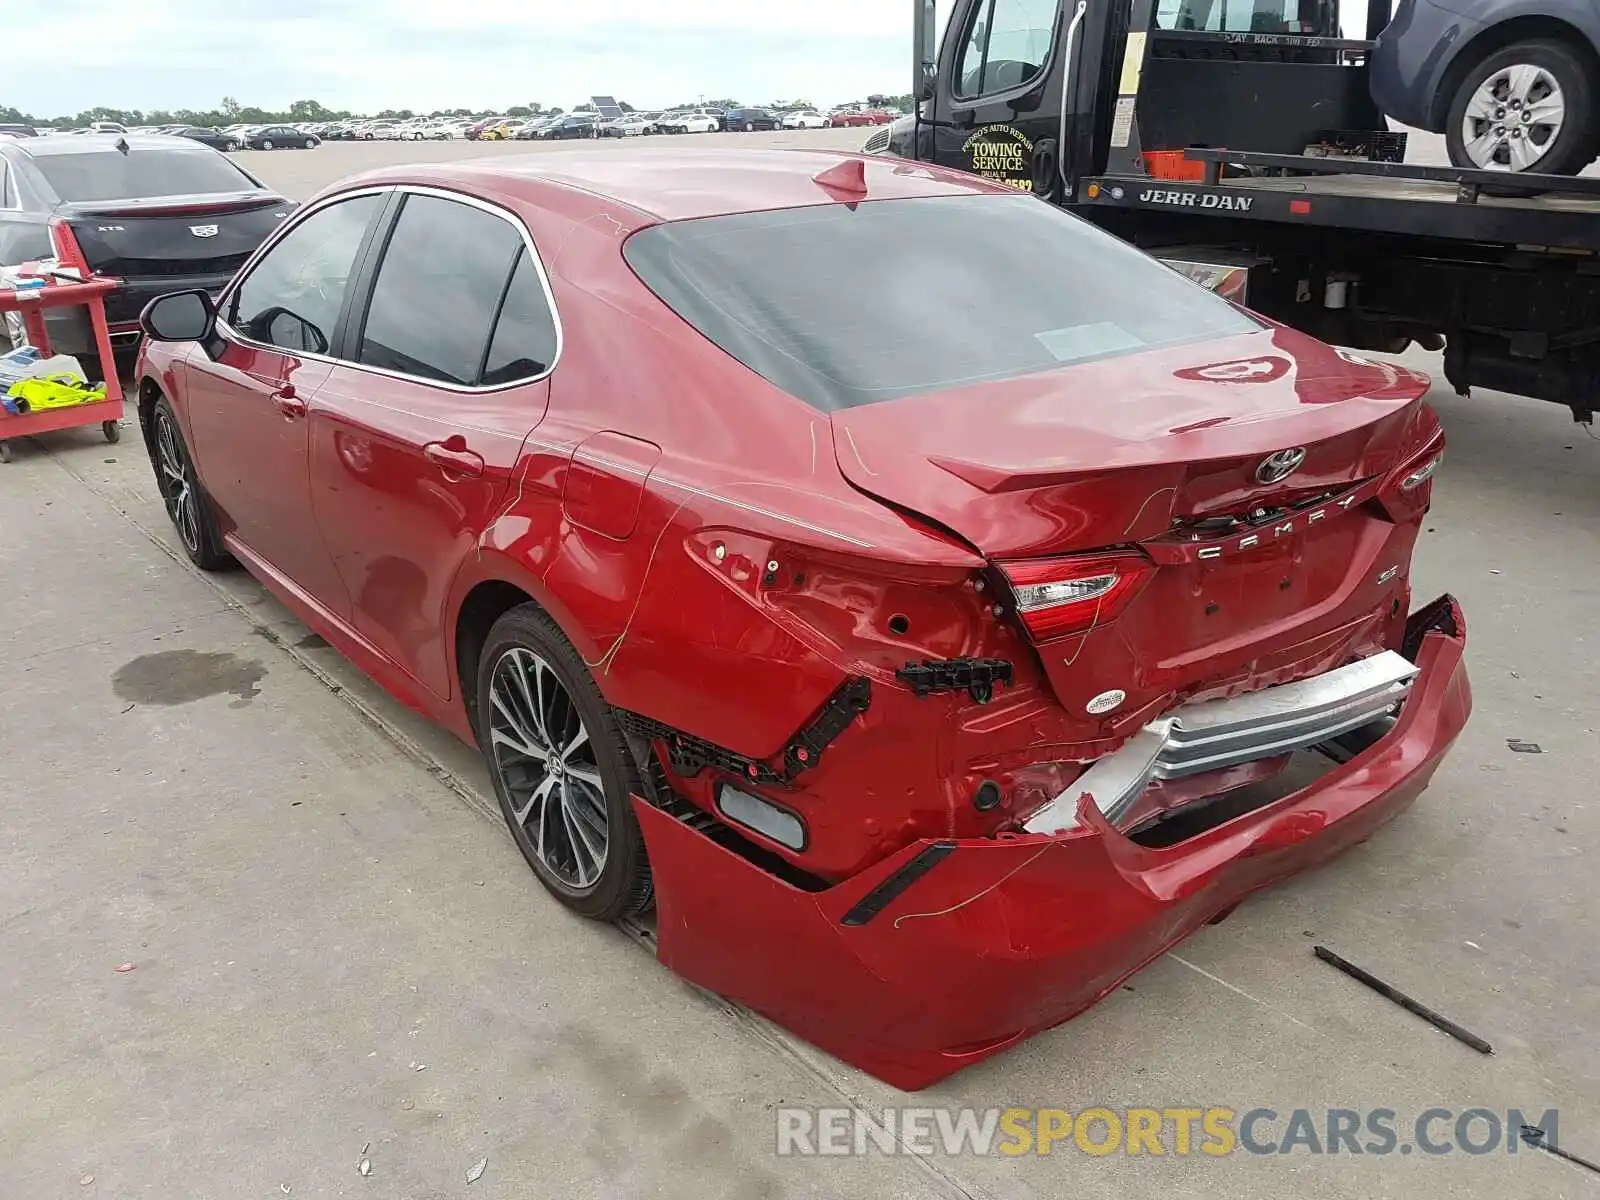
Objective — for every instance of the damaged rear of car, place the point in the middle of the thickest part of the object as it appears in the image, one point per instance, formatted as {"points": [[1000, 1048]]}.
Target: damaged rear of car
{"points": [[1158, 653]]}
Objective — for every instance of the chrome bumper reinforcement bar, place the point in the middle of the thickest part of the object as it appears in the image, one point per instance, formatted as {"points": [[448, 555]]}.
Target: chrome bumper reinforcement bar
{"points": [[1213, 734]]}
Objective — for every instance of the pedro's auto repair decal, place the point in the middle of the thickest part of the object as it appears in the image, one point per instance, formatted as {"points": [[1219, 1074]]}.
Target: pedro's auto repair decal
{"points": [[1002, 154], [1239, 370]]}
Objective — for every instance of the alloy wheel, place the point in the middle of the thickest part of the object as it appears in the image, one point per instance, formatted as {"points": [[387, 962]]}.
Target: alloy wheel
{"points": [[177, 488], [546, 763], [1513, 118]]}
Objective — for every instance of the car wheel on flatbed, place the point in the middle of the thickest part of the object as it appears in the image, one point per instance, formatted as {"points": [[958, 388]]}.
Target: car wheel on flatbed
{"points": [[1527, 107], [561, 768]]}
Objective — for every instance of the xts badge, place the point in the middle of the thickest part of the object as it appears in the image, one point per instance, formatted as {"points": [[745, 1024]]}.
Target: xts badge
{"points": [[1195, 199], [1001, 154]]}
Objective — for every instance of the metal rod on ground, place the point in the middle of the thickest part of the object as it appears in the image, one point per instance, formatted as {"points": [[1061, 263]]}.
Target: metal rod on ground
{"points": [[1534, 1136], [1404, 1001]]}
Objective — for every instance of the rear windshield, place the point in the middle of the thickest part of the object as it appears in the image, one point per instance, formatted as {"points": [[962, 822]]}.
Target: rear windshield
{"points": [[108, 174], [842, 306]]}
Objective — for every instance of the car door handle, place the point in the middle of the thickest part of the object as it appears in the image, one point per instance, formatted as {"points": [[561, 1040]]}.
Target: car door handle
{"points": [[453, 458], [288, 403]]}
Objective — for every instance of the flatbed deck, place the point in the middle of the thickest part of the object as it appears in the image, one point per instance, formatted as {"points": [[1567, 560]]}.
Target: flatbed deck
{"points": [[1425, 201]]}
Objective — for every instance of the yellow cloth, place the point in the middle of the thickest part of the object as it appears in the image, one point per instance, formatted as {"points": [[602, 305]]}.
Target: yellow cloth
{"points": [[53, 391]]}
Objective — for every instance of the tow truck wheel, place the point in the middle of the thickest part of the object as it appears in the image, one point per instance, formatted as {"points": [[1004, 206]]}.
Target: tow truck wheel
{"points": [[1527, 107]]}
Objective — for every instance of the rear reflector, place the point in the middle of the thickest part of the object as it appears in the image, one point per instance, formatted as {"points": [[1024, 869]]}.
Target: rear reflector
{"points": [[1060, 596], [765, 818]]}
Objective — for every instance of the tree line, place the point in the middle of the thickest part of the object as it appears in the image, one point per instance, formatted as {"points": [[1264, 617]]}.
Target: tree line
{"points": [[231, 112]]}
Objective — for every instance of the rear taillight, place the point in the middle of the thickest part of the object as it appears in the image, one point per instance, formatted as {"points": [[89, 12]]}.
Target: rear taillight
{"points": [[65, 244], [1410, 485], [1417, 475], [1060, 596]]}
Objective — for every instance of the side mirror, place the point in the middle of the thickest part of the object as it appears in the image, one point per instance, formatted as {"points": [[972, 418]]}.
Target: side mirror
{"points": [[179, 317], [924, 34]]}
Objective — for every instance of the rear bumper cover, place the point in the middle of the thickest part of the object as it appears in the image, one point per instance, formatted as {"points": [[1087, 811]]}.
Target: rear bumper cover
{"points": [[975, 944]]}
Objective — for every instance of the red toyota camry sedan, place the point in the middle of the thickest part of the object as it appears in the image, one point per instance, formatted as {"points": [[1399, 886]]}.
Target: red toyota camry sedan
{"points": [[933, 605]]}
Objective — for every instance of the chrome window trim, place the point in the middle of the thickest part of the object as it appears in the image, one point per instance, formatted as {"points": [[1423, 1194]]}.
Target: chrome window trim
{"points": [[412, 189]]}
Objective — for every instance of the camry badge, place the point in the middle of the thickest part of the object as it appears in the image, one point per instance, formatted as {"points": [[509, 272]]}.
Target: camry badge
{"points": [[1276, 467], [203, 230]]}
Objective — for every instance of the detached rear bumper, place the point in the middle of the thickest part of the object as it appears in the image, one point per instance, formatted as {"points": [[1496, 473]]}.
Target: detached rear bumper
{"points": [[950, 951]]}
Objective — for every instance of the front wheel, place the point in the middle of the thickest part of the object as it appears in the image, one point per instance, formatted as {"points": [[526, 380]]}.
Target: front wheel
{"points": [[561, 768], [186, 503], [1527, 107], [307, 144], [266, 145]]}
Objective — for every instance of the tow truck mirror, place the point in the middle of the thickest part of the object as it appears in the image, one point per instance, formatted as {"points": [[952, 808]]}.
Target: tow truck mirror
{"points": [[924, 34]]}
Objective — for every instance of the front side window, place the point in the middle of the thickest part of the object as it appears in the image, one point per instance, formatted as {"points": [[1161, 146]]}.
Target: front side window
{"points": [[438, 288], [846, 305], [292, 297], [1006, 45]]}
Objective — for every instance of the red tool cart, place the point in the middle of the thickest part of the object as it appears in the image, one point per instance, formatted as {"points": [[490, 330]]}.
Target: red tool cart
{"points": [[31, 303]]}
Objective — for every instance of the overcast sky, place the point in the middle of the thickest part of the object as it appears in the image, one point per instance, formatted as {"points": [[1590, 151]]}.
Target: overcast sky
{"points": [[368, 55]]}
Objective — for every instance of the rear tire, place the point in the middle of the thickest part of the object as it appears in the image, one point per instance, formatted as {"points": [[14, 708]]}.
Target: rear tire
{"points": [[1545, 81], [535, 693]]}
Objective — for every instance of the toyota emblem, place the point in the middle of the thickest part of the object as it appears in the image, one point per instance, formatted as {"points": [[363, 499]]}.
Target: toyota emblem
{"points": [[203, 230], [1277, 467]]}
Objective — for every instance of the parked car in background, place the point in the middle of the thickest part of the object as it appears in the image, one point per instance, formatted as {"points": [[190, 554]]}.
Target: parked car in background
{"points": [[573, 125], [1513, 86], [920, 743], [279, 137], [502, 131], [156, 212], [748, 120], [700, 120], [852, 117], [107, 127], [478, 128], [214, 138], [628, 125], [804, 119], [18, 131]]}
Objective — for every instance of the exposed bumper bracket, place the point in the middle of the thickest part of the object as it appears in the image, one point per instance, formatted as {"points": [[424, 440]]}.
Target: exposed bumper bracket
{"points": [[1213, 734]]}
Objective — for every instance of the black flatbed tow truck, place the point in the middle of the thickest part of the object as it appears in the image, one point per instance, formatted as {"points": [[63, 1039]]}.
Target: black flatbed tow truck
{"points": [[1255, 160]]}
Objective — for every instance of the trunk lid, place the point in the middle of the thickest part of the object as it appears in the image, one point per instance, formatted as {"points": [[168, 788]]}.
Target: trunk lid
{"points": [[207, 234], [1165, 451]]}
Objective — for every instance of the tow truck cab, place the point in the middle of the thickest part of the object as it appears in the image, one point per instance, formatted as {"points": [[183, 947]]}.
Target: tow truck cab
{"points": [[1239, 141]]}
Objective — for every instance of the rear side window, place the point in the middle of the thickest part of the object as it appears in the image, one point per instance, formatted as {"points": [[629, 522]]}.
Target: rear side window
{"points": [[293, 296], [524, 342], [439, 286], [843, 305], [141, 173]]}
